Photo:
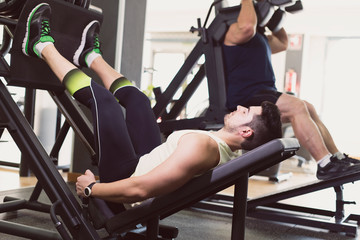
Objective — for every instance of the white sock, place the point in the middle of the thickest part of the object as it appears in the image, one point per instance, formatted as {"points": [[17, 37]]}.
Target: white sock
{"points": [[324, 161], [91, 57], [339, 155], [40, 47]]}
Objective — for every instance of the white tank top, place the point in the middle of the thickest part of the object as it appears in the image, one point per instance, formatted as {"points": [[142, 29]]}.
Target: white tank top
{"points": [[161, 153]]}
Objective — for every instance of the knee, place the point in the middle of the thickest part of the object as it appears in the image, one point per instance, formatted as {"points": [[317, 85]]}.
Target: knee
{"points": [[312, 110], [309, 106], [299, 106], [139, 97], [132, 95], [293, 109]]}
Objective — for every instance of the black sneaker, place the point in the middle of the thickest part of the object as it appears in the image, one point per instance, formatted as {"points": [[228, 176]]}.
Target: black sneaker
{"points": [[336, 168], [89, 44], [350, 159], [37, 29]]}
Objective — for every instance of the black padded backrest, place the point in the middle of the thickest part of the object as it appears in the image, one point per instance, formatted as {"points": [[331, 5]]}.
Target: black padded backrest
{"points": [[11, 8], [67, 23], [206, 185]]}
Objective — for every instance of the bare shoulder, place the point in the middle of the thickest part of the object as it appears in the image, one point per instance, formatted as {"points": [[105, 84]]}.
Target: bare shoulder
{"points": [[201, 148], [195, 154], [198, 140]]}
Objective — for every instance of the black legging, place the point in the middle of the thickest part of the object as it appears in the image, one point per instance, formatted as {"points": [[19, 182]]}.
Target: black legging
{"points": [[119, 141]]}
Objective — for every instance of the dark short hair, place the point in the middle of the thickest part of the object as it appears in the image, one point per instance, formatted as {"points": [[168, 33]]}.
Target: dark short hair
{"points": [[266, 126]]}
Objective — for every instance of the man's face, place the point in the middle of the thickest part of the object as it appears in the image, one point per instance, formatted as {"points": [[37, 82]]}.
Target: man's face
{"points": [[241, 116]]}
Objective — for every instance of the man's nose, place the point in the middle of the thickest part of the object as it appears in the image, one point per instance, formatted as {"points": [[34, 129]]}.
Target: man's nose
{"points": [[239, 107]]}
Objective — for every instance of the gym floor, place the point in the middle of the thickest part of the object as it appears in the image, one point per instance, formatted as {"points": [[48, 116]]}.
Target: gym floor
{"points": [[194, 224]]}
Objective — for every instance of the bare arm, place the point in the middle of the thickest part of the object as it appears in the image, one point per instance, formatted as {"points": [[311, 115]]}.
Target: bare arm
{"points": [[245, 27], [195, 154], [278, 41]]}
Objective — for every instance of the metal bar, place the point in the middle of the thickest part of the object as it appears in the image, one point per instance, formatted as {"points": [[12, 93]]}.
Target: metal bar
{"points": [[239, 210], [304, 189], [60, 140], [43, 167], [165, 98], [186, 95], [9, 164], [12, 205], [216, 83], [75, 118], [339, 213], [18, 204], [210, 206], [29, 111], [4, 68], [281, 216], [36, 192], [27, 231], [6, 42], [301, 209], [152, 228], [8, 21]]}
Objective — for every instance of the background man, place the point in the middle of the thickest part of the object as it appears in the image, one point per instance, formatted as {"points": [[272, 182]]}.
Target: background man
{"points": [[250, 80]]}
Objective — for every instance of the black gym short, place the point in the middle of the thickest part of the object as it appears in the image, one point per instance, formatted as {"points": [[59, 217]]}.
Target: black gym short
{"points": [[263, 95]]}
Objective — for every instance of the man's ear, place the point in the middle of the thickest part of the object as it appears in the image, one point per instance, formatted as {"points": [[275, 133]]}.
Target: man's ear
{"points": [[246, 131]]}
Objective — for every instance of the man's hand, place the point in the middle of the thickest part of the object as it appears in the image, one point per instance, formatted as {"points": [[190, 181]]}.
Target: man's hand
{"points": [[83, 181]]}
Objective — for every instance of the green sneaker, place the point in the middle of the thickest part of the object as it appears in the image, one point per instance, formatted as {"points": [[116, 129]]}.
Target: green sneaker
{"points": [[37, 29], [89, 47]]}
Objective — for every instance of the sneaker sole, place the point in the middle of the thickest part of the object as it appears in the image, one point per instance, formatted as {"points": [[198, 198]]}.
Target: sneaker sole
{"points": [[26, 40], [82, 43]]}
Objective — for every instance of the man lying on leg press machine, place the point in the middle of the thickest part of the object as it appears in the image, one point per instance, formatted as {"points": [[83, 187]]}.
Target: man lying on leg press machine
{"points": [[133, 164]]}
